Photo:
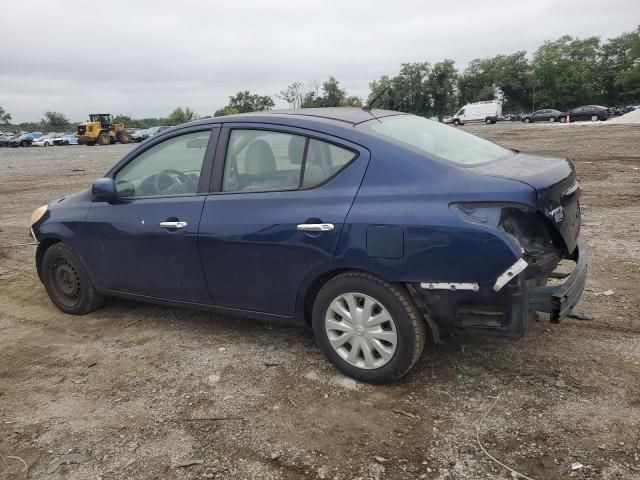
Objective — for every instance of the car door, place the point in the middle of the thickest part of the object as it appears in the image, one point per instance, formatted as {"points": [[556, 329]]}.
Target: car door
{"points": [[279, 200], [146, 242], [578, 114]]}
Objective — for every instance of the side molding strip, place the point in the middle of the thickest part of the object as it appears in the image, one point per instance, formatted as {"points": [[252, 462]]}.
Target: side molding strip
{"points": [[450, 286]]}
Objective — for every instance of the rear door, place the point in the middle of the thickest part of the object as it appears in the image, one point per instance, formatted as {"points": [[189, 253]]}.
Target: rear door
{"points": [[279, 200]]}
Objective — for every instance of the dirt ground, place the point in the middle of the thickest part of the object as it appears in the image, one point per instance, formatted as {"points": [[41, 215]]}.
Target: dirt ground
{"points": [[131, 391]]}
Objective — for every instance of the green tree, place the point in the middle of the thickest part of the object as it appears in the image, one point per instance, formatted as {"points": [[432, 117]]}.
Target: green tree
{"points": [[441, 85], [406, 92], [330, 94], [5, 117], [619, 72], [130, 122], [566, 73], [508, 73], [181, 115], [245, 102], [55, 122], [226, 111], [294, 94]]}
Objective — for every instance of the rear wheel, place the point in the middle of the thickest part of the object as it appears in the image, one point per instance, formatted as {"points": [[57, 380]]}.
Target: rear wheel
{"points": [[124, 137], [552, 119], [368, 328], [67, 281], [24, 144], [488, 121], [103, 138]]}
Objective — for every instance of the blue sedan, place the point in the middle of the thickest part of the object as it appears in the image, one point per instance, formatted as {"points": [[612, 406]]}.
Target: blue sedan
{"points": [[374, 227]]}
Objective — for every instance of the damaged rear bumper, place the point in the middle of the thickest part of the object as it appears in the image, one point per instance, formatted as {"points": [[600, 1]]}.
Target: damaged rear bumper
{"points": [[505, 311], [559, 300]]}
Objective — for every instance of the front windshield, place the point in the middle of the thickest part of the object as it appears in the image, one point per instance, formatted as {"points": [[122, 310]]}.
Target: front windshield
{"points": [[436, 139]]}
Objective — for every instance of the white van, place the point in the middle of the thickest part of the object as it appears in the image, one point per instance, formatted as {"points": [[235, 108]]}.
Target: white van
{"points": [[487, 112]]}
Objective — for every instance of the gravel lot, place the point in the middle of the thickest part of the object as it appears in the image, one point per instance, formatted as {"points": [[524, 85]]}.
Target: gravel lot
{"points": [[118, 393]]}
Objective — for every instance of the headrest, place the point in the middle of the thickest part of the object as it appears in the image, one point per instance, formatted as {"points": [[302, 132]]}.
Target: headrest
{"points": [[296, 149], [259, 159]]}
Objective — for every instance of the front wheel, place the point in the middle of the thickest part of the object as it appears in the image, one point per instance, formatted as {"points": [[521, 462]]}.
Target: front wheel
{"points": [[552, 119], [488, 121], [369, 329], [103, 138], [594, 118], [527, 120], [67, 281]]}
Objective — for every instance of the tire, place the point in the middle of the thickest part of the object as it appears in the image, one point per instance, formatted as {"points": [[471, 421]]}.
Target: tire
{"points": [[124, 137], [488, 121], [594, 118], [405, 327], [527, 120], [456, 122], [66, 142], [103, 139], [67, 281], [24, 144], [46, 144], [552, 119]]}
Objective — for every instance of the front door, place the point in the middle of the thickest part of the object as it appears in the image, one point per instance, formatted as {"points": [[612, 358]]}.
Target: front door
{"points": [[278, 208], [146, 242]]}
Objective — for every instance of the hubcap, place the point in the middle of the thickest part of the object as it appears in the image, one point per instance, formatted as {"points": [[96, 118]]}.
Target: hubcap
{"points": [[361, 330]]}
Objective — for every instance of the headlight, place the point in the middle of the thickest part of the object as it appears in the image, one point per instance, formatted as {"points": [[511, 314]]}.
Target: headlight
{"points": [[37, 214]]}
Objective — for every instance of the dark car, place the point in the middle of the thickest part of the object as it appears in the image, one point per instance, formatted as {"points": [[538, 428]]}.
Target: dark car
{"points": [[544, 115], [5, 139], [372, 226], [141, 135], [587, 113]]}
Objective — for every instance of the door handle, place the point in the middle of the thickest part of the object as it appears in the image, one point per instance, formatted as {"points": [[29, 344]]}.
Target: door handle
{"points": [[173, 225], [316, 227]]}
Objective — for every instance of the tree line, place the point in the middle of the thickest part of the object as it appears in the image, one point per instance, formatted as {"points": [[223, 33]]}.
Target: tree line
{"points": [[560, 74]]}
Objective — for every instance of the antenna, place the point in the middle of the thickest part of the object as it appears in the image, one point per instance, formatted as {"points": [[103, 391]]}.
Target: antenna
{"points": [[367, 107]]}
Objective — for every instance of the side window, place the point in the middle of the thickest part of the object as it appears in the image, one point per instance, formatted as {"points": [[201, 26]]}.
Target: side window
{"points": [[259, 160], [323, 161], [461, 112], [169, 168]]}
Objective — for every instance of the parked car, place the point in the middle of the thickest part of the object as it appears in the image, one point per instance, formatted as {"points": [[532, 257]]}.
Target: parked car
{"points": [[46, 140], [25, 139], [487, 112], [142, 135], [66, 139], [5, 139], [588, 112], [369, 225], [544, 115]]}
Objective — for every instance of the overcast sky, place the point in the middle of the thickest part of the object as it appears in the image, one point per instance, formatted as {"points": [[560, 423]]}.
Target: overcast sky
{"points": [[143, 58]]}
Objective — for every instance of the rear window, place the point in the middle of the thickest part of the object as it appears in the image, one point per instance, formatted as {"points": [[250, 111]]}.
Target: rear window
{"points": [[436, 139]]}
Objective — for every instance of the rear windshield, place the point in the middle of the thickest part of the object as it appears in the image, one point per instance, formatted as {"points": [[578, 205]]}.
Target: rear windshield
{"points": [[436, 139]]}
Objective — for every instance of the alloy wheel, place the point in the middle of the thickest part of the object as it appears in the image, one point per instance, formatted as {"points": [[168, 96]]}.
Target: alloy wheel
{"points": [[361, 330]]}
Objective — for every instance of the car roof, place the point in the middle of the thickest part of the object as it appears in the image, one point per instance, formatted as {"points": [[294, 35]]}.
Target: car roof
{"points": [[338, 115]]}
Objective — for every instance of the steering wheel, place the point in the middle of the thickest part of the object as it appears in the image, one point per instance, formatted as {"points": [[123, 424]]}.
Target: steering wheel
{"points": [[165, 179]]}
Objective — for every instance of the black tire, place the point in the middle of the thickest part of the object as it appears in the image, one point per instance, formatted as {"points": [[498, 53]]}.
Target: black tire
{"points": [[456, 122], [124, 137], [67, 281], [409, 325], [103, 139], [24, 144], [527, 120], [488, 121], [552, 119]]}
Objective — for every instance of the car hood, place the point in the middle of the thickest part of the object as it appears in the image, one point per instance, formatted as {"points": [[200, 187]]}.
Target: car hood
{"points": [[557, 188]]}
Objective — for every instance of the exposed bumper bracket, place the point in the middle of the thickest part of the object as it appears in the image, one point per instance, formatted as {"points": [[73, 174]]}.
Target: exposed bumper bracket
{"points": [[510, 273]]}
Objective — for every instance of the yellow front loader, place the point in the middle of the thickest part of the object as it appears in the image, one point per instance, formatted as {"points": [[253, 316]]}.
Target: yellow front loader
{"points": [[100, 130]]}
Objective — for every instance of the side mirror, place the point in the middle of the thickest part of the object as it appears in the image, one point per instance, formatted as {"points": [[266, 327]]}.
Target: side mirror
{"points": [[104, 190]]}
